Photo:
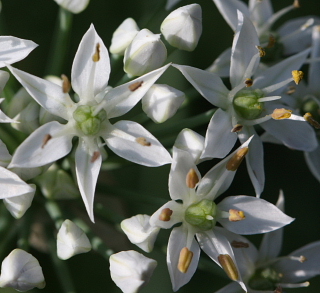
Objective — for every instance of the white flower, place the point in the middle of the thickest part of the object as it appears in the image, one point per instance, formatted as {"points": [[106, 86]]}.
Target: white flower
{"points": [[74, 6], [21, 271], [199, 214], [161, 102], [182, 28], [71, 240], [145, 53], [130, 270], [139, 231], [123, 36], [89, 118], [249, 103]]}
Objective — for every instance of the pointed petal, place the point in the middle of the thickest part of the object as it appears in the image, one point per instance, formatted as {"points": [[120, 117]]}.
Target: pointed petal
{"points": [[14, 49], [123, 98], [313, 161], [243, 49], [124, 141], [314, 67], [231, 287], [87, 168], [5, 156], [219, 139], [221, 65], [260, 11], [35, 152], [89, 78], [260, 215], [208, 84], [177, 241], [49, 95]]}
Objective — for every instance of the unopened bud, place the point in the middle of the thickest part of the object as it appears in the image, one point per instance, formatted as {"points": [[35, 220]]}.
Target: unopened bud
{"points": [[234, 163], [297, 76], [192, 178], [185, 259], [229, 266], [236, 215]]}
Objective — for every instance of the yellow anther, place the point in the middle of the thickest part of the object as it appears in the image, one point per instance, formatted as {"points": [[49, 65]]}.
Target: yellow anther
{"points": [[95, 156], [135, 86], [297, 76], [279, 114], [45, 140], [192, 178], [237, 128], [308, 117], [291, 90], [229, 266], [185, 259], [272, 41], [235, 161], [302, 258], [66, 85], [96, 55], [236, 215], [143, 141], [248, 82], [239, 244], [262, 52], [296, 4], [165, 215]]}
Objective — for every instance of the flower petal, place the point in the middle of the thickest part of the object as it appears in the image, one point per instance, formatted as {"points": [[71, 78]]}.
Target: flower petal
{"points": [[313, 161]]}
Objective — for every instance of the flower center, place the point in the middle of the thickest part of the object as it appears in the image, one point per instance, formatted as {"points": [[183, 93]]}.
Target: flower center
{"points": [[274, 48], [264, 279], [202, 214], [88, 123], [247, 105]]}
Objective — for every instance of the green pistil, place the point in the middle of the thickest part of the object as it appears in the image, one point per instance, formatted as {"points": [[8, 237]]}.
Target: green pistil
{"points": [[89, 124], [264, 279], [246, 103], [202, 214]]}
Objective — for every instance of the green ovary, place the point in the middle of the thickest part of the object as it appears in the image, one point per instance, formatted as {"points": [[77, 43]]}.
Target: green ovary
{"points": [[88, 123], [247, 105], [202, 214], [264, 279]]}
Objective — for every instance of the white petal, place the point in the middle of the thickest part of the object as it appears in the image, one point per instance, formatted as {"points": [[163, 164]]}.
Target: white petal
{"points": [[219, 139], [46, 93], [123, 141], [232, 287], [260, 11], [21, 271], [177, 241], [75, 6], [4, 77], [139, 231], [260, 215], [88, 78], [171, 3], [12, 185], [34, 152], [313, 161], [5, 156], [123, 98], [208, 84], [18, 205], [71, 240], [130, 270], [14, 49], [314, 67], [221, 65], [88, 163]]}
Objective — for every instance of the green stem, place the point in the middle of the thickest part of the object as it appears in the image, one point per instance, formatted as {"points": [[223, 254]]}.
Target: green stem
{"points": [[24, 231], [55, 213]]}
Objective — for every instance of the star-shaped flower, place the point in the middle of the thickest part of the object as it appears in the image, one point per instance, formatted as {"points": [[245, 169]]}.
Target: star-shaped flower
{"points": [[88, 119]]}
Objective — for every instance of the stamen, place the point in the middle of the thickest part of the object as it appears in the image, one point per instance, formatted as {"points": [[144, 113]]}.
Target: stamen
{"points": [[45, 140], [308, 117], [272, 41], [165, 215], [143, 141], [297, 76], [300, 258], [135, 86], [279, 114], [236, 215], [66, 85], [237, 128], [228, 266], [239, 244], [235, 161], [296, 4], [248, 82], [262, 52], [291, 90], [297, 285], [268, 99], [95, 156], [192, 178], [278, 290], [96, 55], [185, 259]]}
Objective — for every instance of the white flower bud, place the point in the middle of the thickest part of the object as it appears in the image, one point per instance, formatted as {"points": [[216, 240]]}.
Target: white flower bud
{"points": [[130, 270], [71, 240], [161, 102], [145, 53], [139, 231], [182, 28], [74, 6], [21, 271], [123, 36], [18, 205]]}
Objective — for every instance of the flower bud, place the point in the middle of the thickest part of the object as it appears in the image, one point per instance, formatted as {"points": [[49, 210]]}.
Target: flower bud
{"points": [[182, 28], [161, 102], [71, 240], [130, 270], [74, 6], [139, 231], [123, 36], [145, 53], [21, 271]]}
